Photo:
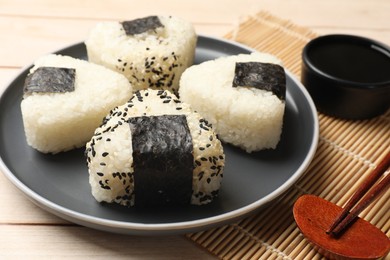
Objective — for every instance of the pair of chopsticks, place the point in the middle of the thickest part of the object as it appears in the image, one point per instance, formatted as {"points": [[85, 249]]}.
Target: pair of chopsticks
{"points": [[348, 214]]}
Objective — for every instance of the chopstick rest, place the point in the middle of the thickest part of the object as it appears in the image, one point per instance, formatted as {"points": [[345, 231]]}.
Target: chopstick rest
{"points": [[338, 233]]}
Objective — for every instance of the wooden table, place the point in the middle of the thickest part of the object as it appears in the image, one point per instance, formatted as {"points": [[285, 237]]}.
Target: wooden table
{"points": [[30, 29]]}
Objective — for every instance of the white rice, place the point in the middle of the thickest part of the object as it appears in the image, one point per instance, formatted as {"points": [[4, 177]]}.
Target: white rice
{"points": [[55, 122], [110, 150], [154, 59], [246, 117]]}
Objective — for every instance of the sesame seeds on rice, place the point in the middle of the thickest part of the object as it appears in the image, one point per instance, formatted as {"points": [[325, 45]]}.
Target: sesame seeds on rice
{"points": [[152, 59], [111, 176]]}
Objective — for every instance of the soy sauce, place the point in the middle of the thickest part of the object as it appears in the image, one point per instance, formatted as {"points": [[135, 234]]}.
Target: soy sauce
{"points": [[352, 61]]}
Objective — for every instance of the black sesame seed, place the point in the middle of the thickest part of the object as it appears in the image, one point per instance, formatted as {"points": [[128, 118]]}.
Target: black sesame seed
{"points": [[115, 127], [117, 174], [100, 173], [203, 127], [103, 186], [105, 154], [156, 71]]}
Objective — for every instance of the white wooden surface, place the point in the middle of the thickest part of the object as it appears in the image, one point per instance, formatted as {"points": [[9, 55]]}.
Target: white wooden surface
{"points": [[29, 29]]}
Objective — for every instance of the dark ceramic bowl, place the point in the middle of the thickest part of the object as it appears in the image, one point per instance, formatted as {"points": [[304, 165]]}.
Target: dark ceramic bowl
{"points": [[347, 76]]}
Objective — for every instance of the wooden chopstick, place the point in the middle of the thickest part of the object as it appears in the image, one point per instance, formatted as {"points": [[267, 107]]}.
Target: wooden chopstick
{"points": [[348, 215]]}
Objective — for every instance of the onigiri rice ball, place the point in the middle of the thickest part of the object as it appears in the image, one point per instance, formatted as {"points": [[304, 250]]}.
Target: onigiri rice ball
{"points": [[247, 113], [155, 151], [152, 52], [65, 100]]}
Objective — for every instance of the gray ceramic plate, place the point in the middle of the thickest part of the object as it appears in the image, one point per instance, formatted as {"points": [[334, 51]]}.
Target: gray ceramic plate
{"points": [[59, 183]]}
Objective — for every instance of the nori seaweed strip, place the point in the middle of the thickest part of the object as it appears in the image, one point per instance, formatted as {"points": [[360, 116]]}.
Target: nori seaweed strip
{"points": [[162, 160], [141, 25], [50, 80], [267, 76]]}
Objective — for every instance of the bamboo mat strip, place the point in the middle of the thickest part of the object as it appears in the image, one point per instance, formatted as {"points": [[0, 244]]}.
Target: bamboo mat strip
{"points": [[347, 152]]}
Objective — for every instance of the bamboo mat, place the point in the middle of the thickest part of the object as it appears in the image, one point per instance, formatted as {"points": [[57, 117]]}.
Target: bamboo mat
{"points": [[347, 151]]}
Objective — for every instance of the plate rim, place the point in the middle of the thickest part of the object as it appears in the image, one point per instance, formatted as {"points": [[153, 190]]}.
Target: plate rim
{"points": [[160, 228]]}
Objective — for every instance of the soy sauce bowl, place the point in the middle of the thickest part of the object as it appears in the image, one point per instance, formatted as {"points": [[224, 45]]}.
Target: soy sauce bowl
{"points": [[347, 76]]}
